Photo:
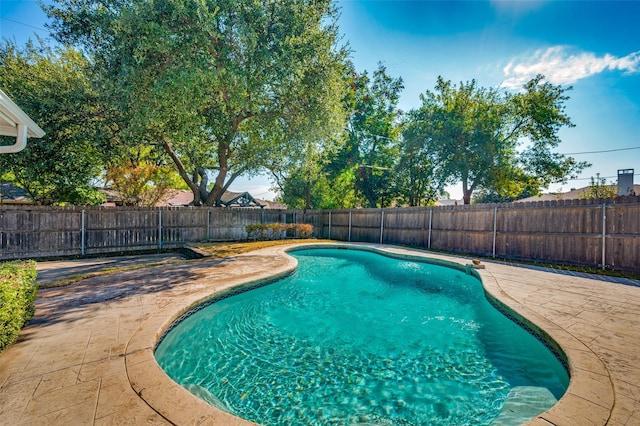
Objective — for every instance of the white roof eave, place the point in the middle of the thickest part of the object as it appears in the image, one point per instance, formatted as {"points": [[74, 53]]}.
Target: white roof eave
{"points": [[14, 122]]}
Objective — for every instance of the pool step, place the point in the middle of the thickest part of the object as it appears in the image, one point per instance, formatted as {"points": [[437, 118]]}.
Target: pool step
{"points": [[524, 403], [204, 394]]}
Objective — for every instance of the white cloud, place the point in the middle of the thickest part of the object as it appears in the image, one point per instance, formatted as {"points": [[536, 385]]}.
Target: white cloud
{"points": [[561, 65]]}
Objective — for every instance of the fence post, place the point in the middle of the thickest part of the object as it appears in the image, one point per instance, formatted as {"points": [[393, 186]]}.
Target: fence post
{"points": [[160, 228], [329, 225], [349, 226], [495, 222], [429, 239], [604, 234], [381, 226], [82, 234], [208, 225]]}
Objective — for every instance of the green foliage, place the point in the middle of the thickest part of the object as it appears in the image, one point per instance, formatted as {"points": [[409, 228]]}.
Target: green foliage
{"points": [[416, 183], [18, 291], [301, 190], [484, 196], [372, 136], [221, 86], [52, 87], [474, 135], [278, 231], [141, 183], [600, 189], [356, 167]]}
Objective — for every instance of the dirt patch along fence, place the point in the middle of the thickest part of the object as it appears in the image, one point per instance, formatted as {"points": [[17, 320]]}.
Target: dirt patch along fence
{"points": [[593, 233]]}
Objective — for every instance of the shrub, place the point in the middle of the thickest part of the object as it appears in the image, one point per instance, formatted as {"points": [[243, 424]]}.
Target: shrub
{"points": [[18, 291], [278, 231], [303, 230]]}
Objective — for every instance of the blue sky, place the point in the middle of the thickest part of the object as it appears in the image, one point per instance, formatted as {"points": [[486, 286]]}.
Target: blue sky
{"points": [[593, 46], [590, 45]]}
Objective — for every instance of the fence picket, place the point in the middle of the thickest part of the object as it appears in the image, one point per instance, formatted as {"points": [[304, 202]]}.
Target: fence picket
{"points": [[594, 233]]}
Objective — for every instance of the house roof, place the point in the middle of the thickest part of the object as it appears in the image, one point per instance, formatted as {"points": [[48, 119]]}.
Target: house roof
{"points": [[176, 197], [184, 197], [11, 194], [570, 195], [14, 122], [244, 199], [448, 202]]}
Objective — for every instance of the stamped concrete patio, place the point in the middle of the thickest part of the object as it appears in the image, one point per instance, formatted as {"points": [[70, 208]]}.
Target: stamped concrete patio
{"points": [[87, 355]]}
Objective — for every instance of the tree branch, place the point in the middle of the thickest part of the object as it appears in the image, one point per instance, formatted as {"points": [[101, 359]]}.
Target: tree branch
{"points": [[183, 172], [230, 181]]}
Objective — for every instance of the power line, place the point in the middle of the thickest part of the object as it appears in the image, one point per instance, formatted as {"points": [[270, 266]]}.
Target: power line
{"points": [[26, 25], [601, 177], [599, 152], [567, 153]]}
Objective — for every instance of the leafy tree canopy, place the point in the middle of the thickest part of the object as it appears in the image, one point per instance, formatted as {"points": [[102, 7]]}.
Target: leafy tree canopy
{"points": [[356, 166], [416, 182], [495, 140], [52, 87], [372, 133], [221, 86], [598, 188]]}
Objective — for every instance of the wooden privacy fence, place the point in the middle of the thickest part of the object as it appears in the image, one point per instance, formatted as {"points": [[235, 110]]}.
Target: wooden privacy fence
{"points": [[34, 231], [594, 233]]}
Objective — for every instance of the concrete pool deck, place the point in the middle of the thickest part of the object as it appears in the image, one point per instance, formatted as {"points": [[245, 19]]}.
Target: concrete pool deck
{"points": [[87, 355]]}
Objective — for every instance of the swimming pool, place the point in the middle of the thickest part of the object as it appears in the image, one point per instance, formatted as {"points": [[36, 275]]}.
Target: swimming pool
{"points": [[356, 337]]}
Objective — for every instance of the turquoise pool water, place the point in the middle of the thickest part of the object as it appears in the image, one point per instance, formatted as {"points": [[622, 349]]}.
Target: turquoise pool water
{"points": [[356, 337]]}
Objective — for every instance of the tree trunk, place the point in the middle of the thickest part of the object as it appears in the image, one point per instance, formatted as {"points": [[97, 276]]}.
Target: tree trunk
{"points": [[197, 200], [224, 154], [466, 192], [218, 189], [466, 196], [307, 201]]}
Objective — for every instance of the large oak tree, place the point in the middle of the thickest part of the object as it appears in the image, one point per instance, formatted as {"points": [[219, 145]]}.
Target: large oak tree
{"points": [[221, 86]]}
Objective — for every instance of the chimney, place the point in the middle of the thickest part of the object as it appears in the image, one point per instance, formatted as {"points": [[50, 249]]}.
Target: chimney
{"points": [[625, 181]]}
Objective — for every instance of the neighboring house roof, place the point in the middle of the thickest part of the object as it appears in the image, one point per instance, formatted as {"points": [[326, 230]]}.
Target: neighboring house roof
{"points": [[244, 199], [11, 194], [14, 122], [112, 196], [570, 195], [449, 202], [183, 197], [176, 197]]}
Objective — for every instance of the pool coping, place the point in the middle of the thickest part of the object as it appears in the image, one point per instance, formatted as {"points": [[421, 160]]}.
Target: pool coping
{"points": [[589, 398]]}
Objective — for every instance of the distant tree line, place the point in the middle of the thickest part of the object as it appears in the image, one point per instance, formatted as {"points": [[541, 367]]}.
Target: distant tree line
{"points": [[146, 96]]}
